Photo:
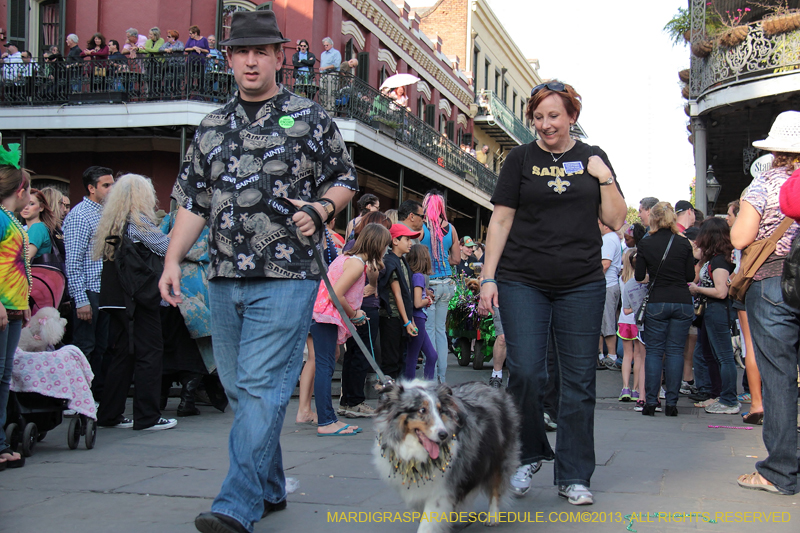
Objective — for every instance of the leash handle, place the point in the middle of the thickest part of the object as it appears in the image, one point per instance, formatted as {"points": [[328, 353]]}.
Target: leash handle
{"points": [[335, 299]]}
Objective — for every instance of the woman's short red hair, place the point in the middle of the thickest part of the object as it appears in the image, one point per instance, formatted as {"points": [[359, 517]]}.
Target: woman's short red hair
{"points": [[571, 99]]}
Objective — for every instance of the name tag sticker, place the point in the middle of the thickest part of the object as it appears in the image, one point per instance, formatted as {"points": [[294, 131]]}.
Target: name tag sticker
{"points": [[286, 122], [571, 167]]}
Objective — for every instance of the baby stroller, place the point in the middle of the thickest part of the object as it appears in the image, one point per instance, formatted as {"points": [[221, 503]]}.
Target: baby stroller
{"points": [[43, 385]]}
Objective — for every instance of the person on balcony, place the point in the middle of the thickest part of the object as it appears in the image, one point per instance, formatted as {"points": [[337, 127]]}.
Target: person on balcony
{"points": [[113, 51], [348, 67], [133, 42], [74, 53], [11, 56], [173, 45], [96, 48], [303, 61], [331, 58], [154, 42], [197, 47], [216, 59], [483, 156]]}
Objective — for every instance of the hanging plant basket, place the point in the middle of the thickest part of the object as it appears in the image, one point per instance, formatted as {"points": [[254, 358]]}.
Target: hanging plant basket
{"points": [[781, 24], [687, 36], [702, 49], [734, 36], [691, 139], [687, 110], [685, 92], [683, 75]]}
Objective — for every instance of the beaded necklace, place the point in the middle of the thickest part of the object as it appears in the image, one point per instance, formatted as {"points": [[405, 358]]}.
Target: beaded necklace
{"points": [[16, 224], [330, 248], [414, 472]]}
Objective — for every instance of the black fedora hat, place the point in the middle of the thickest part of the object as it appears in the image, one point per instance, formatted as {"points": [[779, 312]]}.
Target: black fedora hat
{"points": [[250, 28]]}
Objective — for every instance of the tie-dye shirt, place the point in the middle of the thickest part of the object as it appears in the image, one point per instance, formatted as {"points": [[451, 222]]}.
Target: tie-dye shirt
{"points": [[14, 293]]}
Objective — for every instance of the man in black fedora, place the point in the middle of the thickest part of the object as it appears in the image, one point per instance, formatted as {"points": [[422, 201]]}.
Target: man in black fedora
{"points": [[265, 145]]}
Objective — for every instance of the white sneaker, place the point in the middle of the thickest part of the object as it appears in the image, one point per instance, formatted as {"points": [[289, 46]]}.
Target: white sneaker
{"points": [[576, 494], [662, 394], [163, 423], [521, 480], [719, 408], [549, 425]]}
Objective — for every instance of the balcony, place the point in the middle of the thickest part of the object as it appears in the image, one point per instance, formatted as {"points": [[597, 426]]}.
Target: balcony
{"points": [[758, 57], [153, 80], [497, 120]]}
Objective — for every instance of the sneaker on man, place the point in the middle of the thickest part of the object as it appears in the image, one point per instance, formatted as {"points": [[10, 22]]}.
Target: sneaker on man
{"points": [[549, 425], [687, 388], [662, 394], [522, 478], [625, 395], [609, 363], [341, 410], [719, 408], [163, 423], [361, 410], [125, 423], [496, 382], [576, 494], [699, 396]]}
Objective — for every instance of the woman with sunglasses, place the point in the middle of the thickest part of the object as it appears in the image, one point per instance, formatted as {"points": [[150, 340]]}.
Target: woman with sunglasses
{"points": [[303, 61], [555, 188]]}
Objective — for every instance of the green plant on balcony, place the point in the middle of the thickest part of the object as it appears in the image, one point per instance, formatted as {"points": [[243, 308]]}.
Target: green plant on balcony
{"points": [[386, 122], [679, 28], [782, 18]]}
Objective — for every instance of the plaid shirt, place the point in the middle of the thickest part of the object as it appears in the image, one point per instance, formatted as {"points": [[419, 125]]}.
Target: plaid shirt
{"points": [[83, 273]]}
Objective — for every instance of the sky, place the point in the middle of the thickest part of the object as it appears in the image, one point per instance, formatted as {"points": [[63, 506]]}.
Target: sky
{"points": [[625, 68]]}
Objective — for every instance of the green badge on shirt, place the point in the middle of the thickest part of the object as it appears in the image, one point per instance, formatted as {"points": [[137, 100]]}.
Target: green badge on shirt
{"points": [[286, 122]]}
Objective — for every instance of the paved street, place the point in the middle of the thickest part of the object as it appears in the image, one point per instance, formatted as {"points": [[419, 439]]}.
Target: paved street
{"points": [[159, 481]]}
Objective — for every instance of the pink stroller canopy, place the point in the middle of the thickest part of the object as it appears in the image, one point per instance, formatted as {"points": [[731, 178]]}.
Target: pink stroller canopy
{"points": [[48, 287]]}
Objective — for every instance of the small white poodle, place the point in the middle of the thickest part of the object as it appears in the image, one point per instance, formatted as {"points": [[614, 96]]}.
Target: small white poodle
{"points": [[44, 331]]}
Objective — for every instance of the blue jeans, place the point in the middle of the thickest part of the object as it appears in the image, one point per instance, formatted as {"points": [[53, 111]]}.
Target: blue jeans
{"points": [[9, 338], [575, 315], [702, 380], [666, 328], [258, 349], [776, 341], [443, 290], [717, 327], [324, 336]]}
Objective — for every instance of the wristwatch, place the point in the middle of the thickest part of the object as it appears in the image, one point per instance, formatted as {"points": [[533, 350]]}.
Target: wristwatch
{"points": [[330, 209], [610, 181]]}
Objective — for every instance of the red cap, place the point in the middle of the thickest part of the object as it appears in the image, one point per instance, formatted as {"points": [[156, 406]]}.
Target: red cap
{"points": [[398, 230]]}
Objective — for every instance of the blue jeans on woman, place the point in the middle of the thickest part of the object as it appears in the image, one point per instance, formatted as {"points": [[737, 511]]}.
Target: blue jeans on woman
{"points": [[574, 315], [324, 336], [776, 341], [665, 330], [443, 291], [717, 327], [9, 338], [258, 348]]}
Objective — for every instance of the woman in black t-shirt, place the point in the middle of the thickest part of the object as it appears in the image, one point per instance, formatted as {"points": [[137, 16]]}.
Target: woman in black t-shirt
{"points": [[714, 250], [669, 309], [543, 246]]}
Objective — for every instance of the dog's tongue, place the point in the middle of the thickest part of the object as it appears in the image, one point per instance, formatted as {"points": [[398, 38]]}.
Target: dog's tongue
{"points": [[431, 447]]}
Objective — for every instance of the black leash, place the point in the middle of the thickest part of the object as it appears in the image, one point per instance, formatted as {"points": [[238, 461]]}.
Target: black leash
{"points": [[319, 225]]}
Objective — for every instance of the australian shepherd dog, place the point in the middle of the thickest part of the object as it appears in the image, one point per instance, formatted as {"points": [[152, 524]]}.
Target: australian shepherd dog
{"points": [[440, 445]]}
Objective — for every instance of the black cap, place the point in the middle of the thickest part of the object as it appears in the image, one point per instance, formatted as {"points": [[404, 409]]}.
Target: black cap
{"points": [[683, 205]]}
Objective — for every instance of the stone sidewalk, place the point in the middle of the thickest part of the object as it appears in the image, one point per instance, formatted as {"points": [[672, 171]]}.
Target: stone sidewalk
{"points": [[159, 481]]}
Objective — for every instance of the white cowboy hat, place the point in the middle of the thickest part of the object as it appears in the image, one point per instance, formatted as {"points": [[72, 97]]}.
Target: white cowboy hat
{"points": [[784, 136]]}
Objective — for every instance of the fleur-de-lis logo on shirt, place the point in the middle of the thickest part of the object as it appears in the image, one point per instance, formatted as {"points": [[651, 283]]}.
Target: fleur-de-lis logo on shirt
{"points": [[284, 252], [246, 262], [559, 185], [280, 189], [227, 222]]}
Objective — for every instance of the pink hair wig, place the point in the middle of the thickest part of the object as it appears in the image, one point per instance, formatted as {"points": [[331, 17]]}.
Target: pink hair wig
{"points": [[435, 211]]}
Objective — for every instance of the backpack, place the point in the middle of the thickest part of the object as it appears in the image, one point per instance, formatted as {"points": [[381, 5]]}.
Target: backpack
{"points": [[791, 276]]}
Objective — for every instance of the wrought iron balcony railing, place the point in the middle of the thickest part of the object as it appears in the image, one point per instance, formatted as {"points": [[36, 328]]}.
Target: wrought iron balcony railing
{"points": [[167, 79], [491, 106], [758, 56]]}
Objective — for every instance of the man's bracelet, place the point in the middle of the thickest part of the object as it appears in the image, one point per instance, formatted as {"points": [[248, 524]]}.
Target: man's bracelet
{"points": [[406, 324], [488, 280]]}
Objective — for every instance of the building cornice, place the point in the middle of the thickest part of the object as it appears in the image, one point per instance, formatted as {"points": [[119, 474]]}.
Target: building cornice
{"points": [[396, 37]]}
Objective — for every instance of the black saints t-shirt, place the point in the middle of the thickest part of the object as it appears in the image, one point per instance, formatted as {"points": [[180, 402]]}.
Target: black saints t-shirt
{"points": [[554, 242]]}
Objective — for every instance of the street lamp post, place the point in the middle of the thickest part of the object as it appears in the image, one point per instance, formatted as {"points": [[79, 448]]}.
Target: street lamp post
{"points": [[713, 189]]}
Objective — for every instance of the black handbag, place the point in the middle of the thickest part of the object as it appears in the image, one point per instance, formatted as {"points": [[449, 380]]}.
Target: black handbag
{"points": [[642, 312], [791, 276]]}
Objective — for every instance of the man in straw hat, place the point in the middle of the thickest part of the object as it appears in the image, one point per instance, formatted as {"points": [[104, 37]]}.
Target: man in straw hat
{"points": [[265, 145]]}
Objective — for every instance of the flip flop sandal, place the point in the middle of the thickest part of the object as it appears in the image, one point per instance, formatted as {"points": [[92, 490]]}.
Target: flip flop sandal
{"points": [[752, 481], [12, 463], [753, 418], [340, 434]]}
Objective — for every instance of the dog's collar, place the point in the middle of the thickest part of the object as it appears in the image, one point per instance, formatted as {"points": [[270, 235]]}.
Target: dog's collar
{"points": [[414, 472]]}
